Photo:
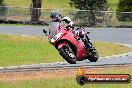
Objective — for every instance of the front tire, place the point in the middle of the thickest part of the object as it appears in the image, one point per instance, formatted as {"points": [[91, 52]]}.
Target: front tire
{"points": [[68, 55]]}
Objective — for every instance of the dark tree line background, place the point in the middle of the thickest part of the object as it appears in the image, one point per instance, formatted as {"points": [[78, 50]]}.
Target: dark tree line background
{"points": [[35, 10], [2, 9], [2, 3], [89, 18], [124, 6]]}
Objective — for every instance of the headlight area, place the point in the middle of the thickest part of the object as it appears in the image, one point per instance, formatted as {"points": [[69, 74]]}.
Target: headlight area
{"points": [[55, 37]]}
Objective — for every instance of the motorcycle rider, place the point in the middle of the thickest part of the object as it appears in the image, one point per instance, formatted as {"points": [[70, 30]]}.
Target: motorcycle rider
{"points": [[56, 17]]}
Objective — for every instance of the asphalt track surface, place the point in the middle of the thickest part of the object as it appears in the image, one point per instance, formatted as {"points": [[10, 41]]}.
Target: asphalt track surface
{"points": [[119, 35], [116, 35]]}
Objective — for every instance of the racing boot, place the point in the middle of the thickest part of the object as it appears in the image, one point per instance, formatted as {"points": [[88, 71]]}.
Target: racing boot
{"points": [[89, 45]]}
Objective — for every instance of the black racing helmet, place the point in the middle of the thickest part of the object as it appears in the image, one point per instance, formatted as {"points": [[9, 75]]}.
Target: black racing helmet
{"points": [[55, 14]]}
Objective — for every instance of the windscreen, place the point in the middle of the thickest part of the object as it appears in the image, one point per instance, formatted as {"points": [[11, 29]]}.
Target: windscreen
{"points": [[53, 28]]}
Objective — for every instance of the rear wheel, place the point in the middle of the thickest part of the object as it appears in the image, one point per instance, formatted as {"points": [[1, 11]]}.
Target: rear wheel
{"points": [[68, 54], [93, 57]]}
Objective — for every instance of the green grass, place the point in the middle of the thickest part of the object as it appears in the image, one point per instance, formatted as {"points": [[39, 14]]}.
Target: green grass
{"points": [[46, 4], [66, 82], [108, 49], [17, 50], [58, 83]]}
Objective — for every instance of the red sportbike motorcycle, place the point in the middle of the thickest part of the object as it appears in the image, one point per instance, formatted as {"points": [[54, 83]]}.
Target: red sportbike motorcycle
{"points": [[72, 44]]}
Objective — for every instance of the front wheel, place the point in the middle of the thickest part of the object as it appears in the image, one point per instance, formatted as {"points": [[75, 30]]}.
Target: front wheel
{"points": [[68, 54]]}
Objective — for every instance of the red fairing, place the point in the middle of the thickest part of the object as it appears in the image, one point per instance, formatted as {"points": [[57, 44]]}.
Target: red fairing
{"points": [[62, 44], [81, 52], [59, 36]]}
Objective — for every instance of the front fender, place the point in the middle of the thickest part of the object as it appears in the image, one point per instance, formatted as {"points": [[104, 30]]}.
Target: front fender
{"points": [[62, 44]]}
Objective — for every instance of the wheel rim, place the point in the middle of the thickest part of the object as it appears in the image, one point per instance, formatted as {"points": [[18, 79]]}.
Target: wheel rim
{"points": [[69, 53]]}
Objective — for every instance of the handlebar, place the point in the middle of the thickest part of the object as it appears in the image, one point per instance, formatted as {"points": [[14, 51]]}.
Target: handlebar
{"points": [[45, 32]]}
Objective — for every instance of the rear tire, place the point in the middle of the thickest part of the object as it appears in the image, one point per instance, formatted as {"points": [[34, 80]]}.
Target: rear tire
{"points": [[94, 56], [70, 58]]}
